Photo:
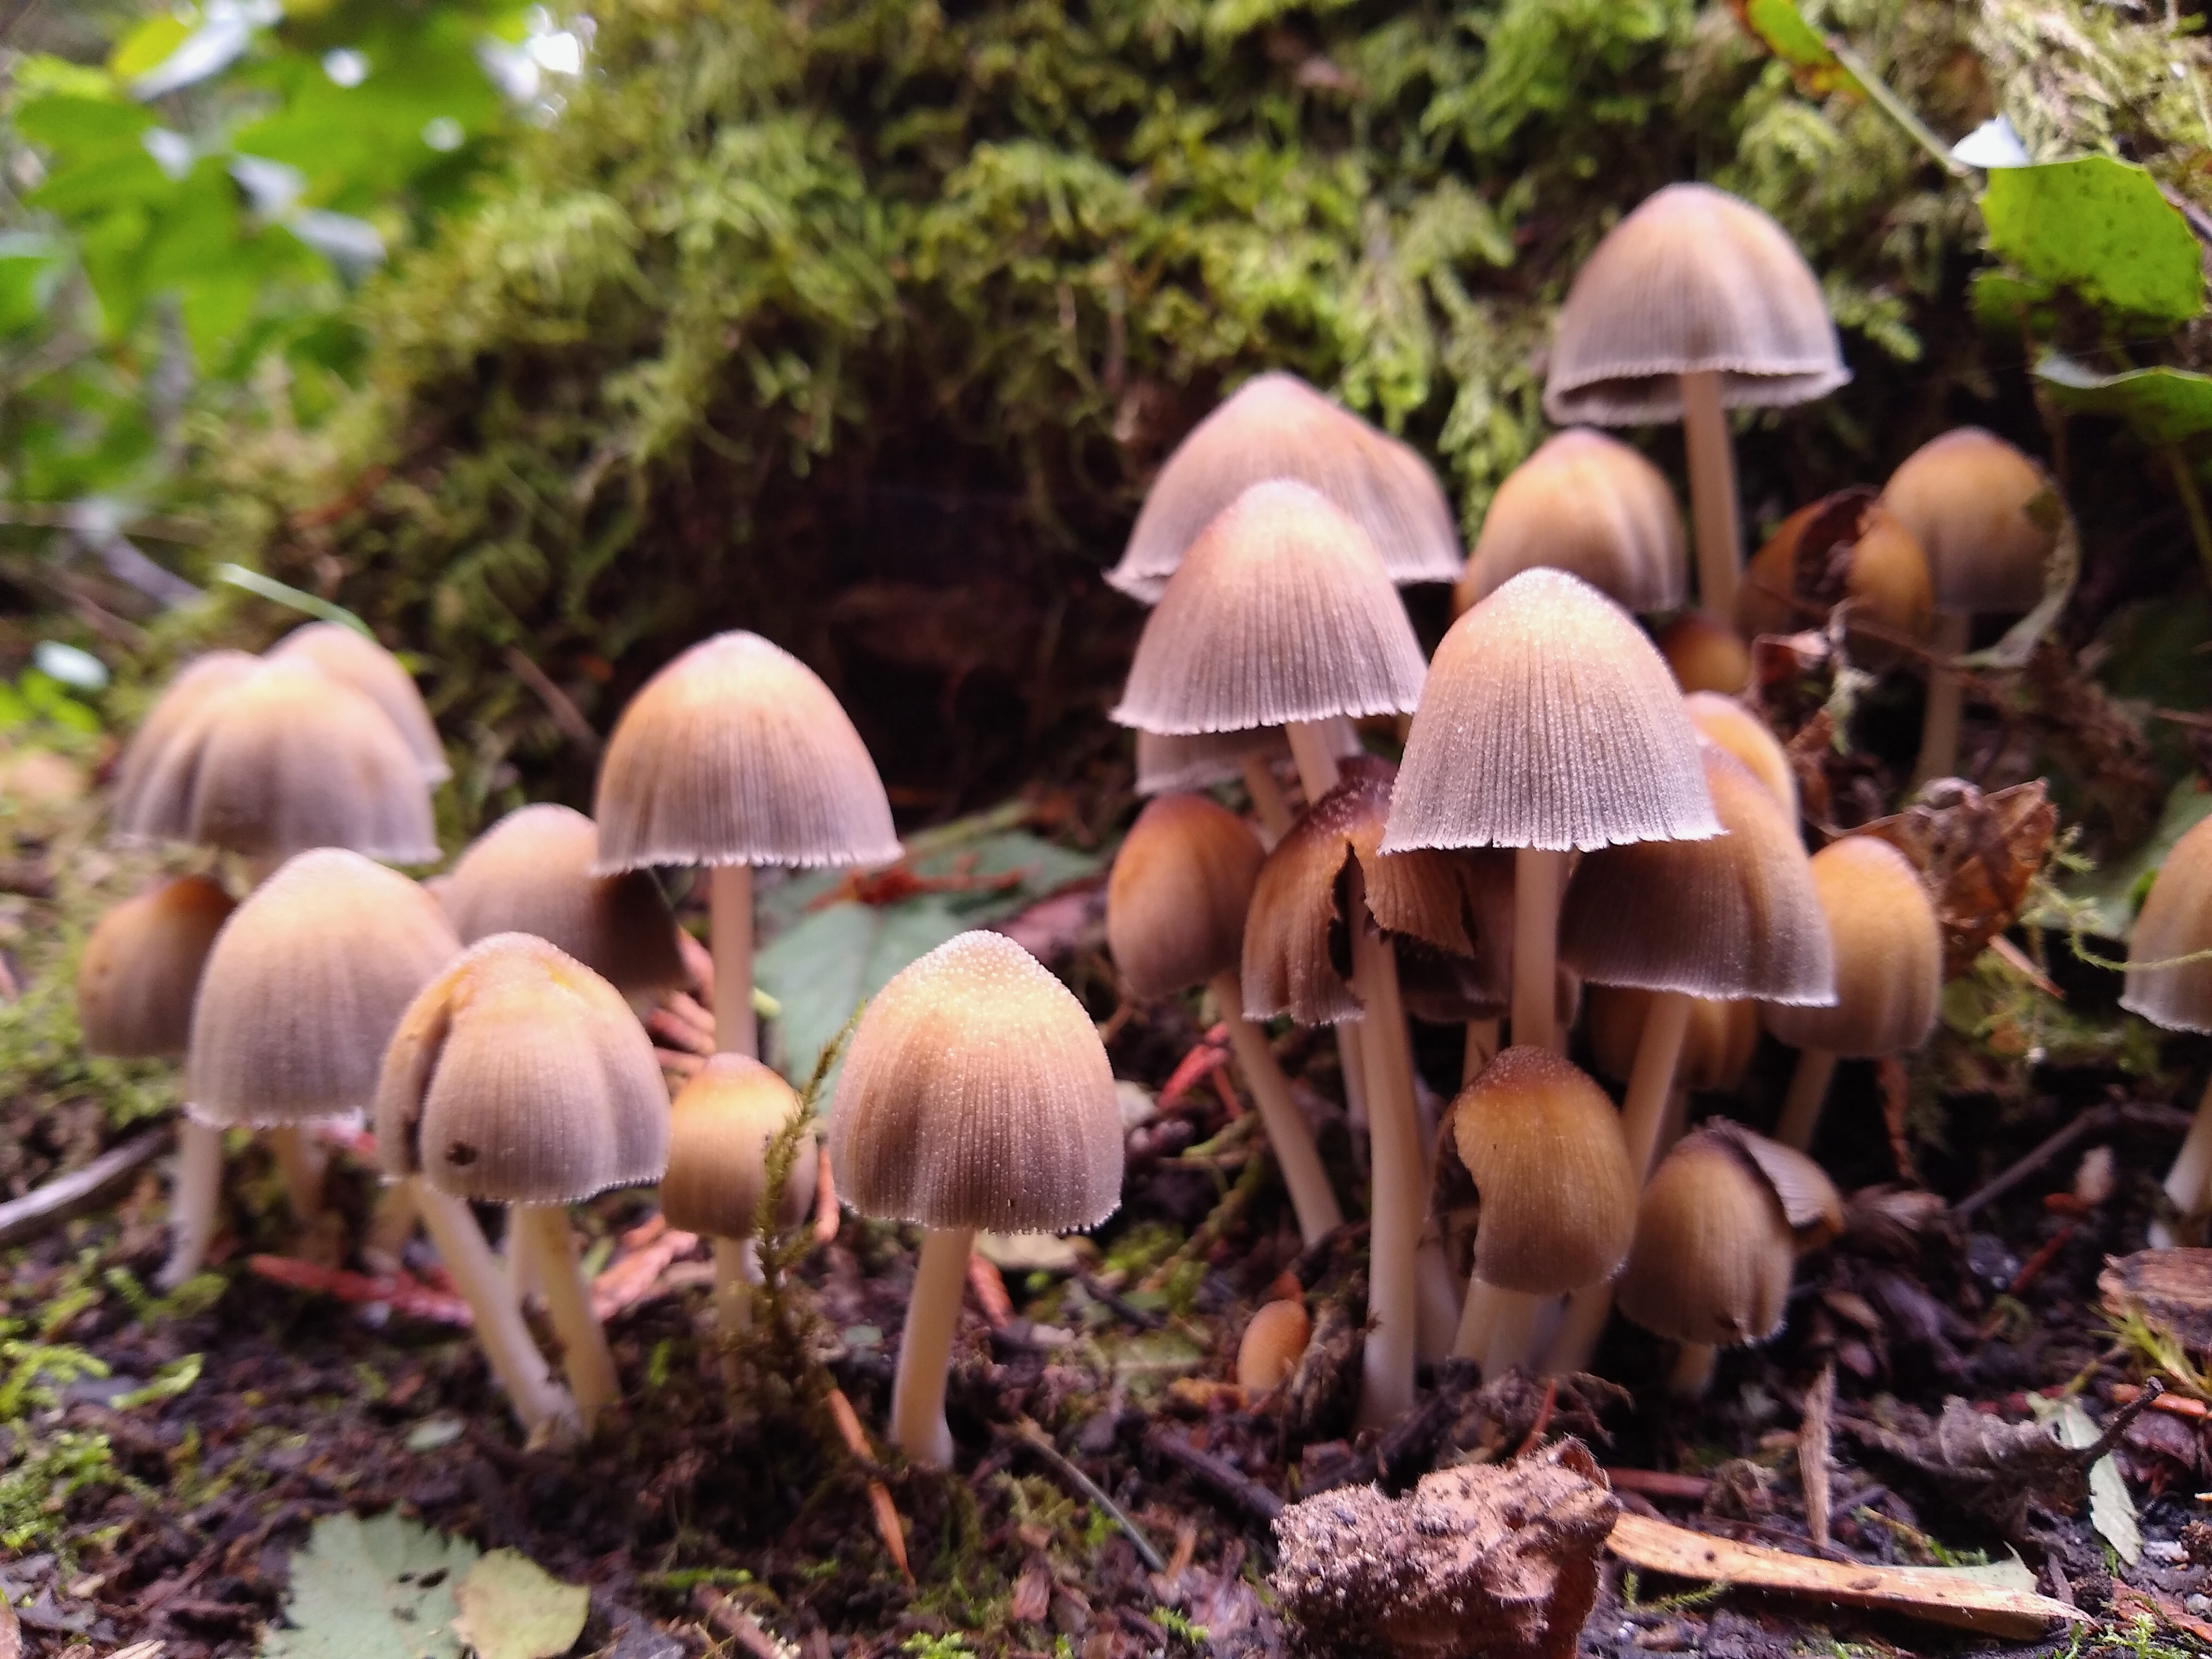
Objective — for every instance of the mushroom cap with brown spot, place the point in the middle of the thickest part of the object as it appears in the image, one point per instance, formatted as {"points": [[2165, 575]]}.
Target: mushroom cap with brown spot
{"points": [[1695, 280], [351, 658], [1276, 426], [1982, 514], [1889, 956], [141, 968], [1714, 1253], [1716, 1044], [737, 753], [976, 1094], [1548, 720], [720, 1127], [1558, 1194], [531, 874], [136, 818], [1726, 723], [304, 988], [1176, 901], [518, 1075], [1587, 504], [2176, 921]]}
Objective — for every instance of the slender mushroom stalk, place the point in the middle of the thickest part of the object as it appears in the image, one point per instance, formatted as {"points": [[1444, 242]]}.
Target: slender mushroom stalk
{"points": [[1691, 1373], [736, 1278], [1939, 728], [195, 1195], [1809, 1080], [1289, 1135], [1538, 876], [540, 1403], [1713, 507], [2169, 983], [1400, 1184], [736, 1031], [932, 1313], [543, 1230], [302, 1164], [2189, 1183], [1193, 761], [1481, 1048], [1267, 795]]}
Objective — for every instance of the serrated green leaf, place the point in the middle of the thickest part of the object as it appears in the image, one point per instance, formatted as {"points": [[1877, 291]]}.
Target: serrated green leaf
{"points": [[2101, 227], [513, 1608], [2160, 405], [380, 1588]]}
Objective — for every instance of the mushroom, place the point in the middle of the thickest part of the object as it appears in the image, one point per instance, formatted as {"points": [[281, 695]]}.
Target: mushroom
{"points": [[2169, 983], [1726, 723], [1987, 518], [1846, 547], [141, 968], [1889, 974], [975, 1095], [1589, 505], [193, 684], [1717, 1045], [1704, 653], [1174, 919], [520, 1077], [736, 755], [1200, 760], [351, 658], [1694, 304], [1273, 1342]]}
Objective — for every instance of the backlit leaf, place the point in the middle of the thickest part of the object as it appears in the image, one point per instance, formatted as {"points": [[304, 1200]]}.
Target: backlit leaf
{"points": [[2101, 227], [380, 1588]]}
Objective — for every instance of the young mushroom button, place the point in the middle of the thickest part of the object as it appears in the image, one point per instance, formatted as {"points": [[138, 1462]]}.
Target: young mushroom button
{"points": [[141, 968]]}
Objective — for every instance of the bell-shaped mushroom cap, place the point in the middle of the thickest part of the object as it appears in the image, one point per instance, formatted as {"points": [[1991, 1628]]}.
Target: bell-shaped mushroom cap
{"points": [[1558, 1194], [2176, 921], [1977, 506], [198, 680], [1717, 1045], [284, 759], [531, 874], [518, 1075], [1276, 426], [304, 988], [1694, 281], [1548, 720], [1846, 546], [353, 658], [1175, 902], [1714, 1252], [976, 1095], [1281, 612], [1704, 653], [1889, 956], [1589, 505], [737, 753], [141, 968], [1734, 916], [1727, 724], [720, 1129], [1274, 1341]]}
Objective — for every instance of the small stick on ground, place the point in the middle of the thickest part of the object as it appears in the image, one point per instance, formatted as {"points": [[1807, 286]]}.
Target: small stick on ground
{"points": [[1234, 1485], [1032, 1434], [2098, 1121], [66, 1196], [1813, 1449], [879, 1496]]}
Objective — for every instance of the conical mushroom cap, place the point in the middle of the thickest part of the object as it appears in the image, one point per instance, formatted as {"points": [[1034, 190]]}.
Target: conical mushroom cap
{"points": [[1589, 505], [1971, 500], [1548, 720], [198, 680], [1175, 902], [531, 874], [1717, 1045], [1889, 956], [1714, 1253], [720, 1129], [1276, 426], [976, 1095], [2176, 921], [737, 753], [304, 988], [1695, 280], [1727, 724], [1558, 1194], [355, 659], [518, 1075], [141, 968], [1170, 765], [1734, 916]]}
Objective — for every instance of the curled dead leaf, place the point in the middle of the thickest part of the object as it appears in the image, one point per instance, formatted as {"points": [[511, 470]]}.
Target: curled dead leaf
{"points": [[1977, 855]]}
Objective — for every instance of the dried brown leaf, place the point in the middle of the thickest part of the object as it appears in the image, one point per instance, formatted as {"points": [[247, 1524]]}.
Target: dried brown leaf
{"points": [[1977, 854]]}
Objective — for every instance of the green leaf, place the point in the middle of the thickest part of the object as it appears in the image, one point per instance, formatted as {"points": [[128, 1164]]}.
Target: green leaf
{"points": [[147, 44], [2113, 891], [2112, 1510], [1782, 30], [2160, 405], [513, 1608], [2101, 227], [380, 1588]]}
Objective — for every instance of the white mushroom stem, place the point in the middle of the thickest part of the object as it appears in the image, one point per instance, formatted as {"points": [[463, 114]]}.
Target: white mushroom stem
{"points": [[300, 1161], [1315, 755], [1436, 1326], [1498, 1327], [538, 1400], [1481, 1050], [1809, 1092], [730, 926], [2189, 1183], [1938, 725], [918, 1425], [1713, 511], [1267, 803], [1398, 1192], [392, 1223], [1539, 874], [1575, 1344], [1352, 1066], [1288, 1133], [195, 1192], [1693, 1370], [543, 1231]]}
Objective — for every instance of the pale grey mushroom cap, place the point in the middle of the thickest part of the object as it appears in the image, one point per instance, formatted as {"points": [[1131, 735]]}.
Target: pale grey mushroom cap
{"points": [[136, 818], [353, 658]]}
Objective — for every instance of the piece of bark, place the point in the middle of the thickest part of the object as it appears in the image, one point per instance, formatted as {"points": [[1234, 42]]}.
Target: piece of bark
{"points": [[1813, 1447], [2173, 1288]]}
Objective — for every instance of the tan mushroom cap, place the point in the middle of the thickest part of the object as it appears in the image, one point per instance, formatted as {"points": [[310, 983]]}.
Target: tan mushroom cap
{"points": [[531, 874], [1273, 1342], [355, 659], [1714, 1252], [1176, 901], [1281, 612], [1810, 1203], [1725, 722], [720, 1130], [737, 753], [1846, 546], [518, 1075], [1717, 1045], [1981, 512], [1548, 720], [2176, 921], [1889, 956], [304, 988], [976, 1095], [1694, 280], [1704, 653], [141, 968], [1589, 505], [1276, 426], [198, 680]]}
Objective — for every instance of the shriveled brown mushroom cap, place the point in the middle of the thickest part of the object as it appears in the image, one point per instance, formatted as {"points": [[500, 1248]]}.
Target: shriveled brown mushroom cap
{"points": [[1589, 505], [737, 753], [1725, 722], [2176, 921], [518, 1075], [304, 988], [1846, 546], [355, 659], [1810, 1203], [1982, 512], [720, 1129], [1889, 956], [1198, 760], [1716, 1044], [141, 968], [531, 874], [1694, 280], [1713, 1252], [1276, 426], [135, 819], [1548, 720], [976, 1095], [1176, 901]]}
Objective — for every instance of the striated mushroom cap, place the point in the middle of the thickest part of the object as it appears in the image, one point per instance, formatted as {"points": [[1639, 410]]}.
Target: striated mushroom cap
{"points": [[198, 680], [1176, 901], [1714, 1252], [1725, 723], [141, 968], [518, 1075], [1717, 1045], [304, 988], [1889, 956], [2176, 921], [1548, 720], [1589, 505], [737, 753], [976, 1095], [1694, 280], [1981, 513], [353, 658], [719, 1131]]}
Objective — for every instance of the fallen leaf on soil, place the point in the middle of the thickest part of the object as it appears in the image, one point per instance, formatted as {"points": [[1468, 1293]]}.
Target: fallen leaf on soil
{"points": [[2112, 1510], [2129, 1602], [372, 1589], [2173, 1288], [513, 1608], [1977, 854]]}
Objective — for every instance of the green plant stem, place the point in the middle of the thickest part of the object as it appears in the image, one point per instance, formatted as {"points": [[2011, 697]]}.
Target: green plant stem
{"points": [[1896, 108]]}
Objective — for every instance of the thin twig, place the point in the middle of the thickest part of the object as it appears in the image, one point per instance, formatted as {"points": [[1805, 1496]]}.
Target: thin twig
{"points": [[1234, 1484], [1813, 1439], [2101, 1120], [565, 715], [1032, 1434], [57, 1201]]}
